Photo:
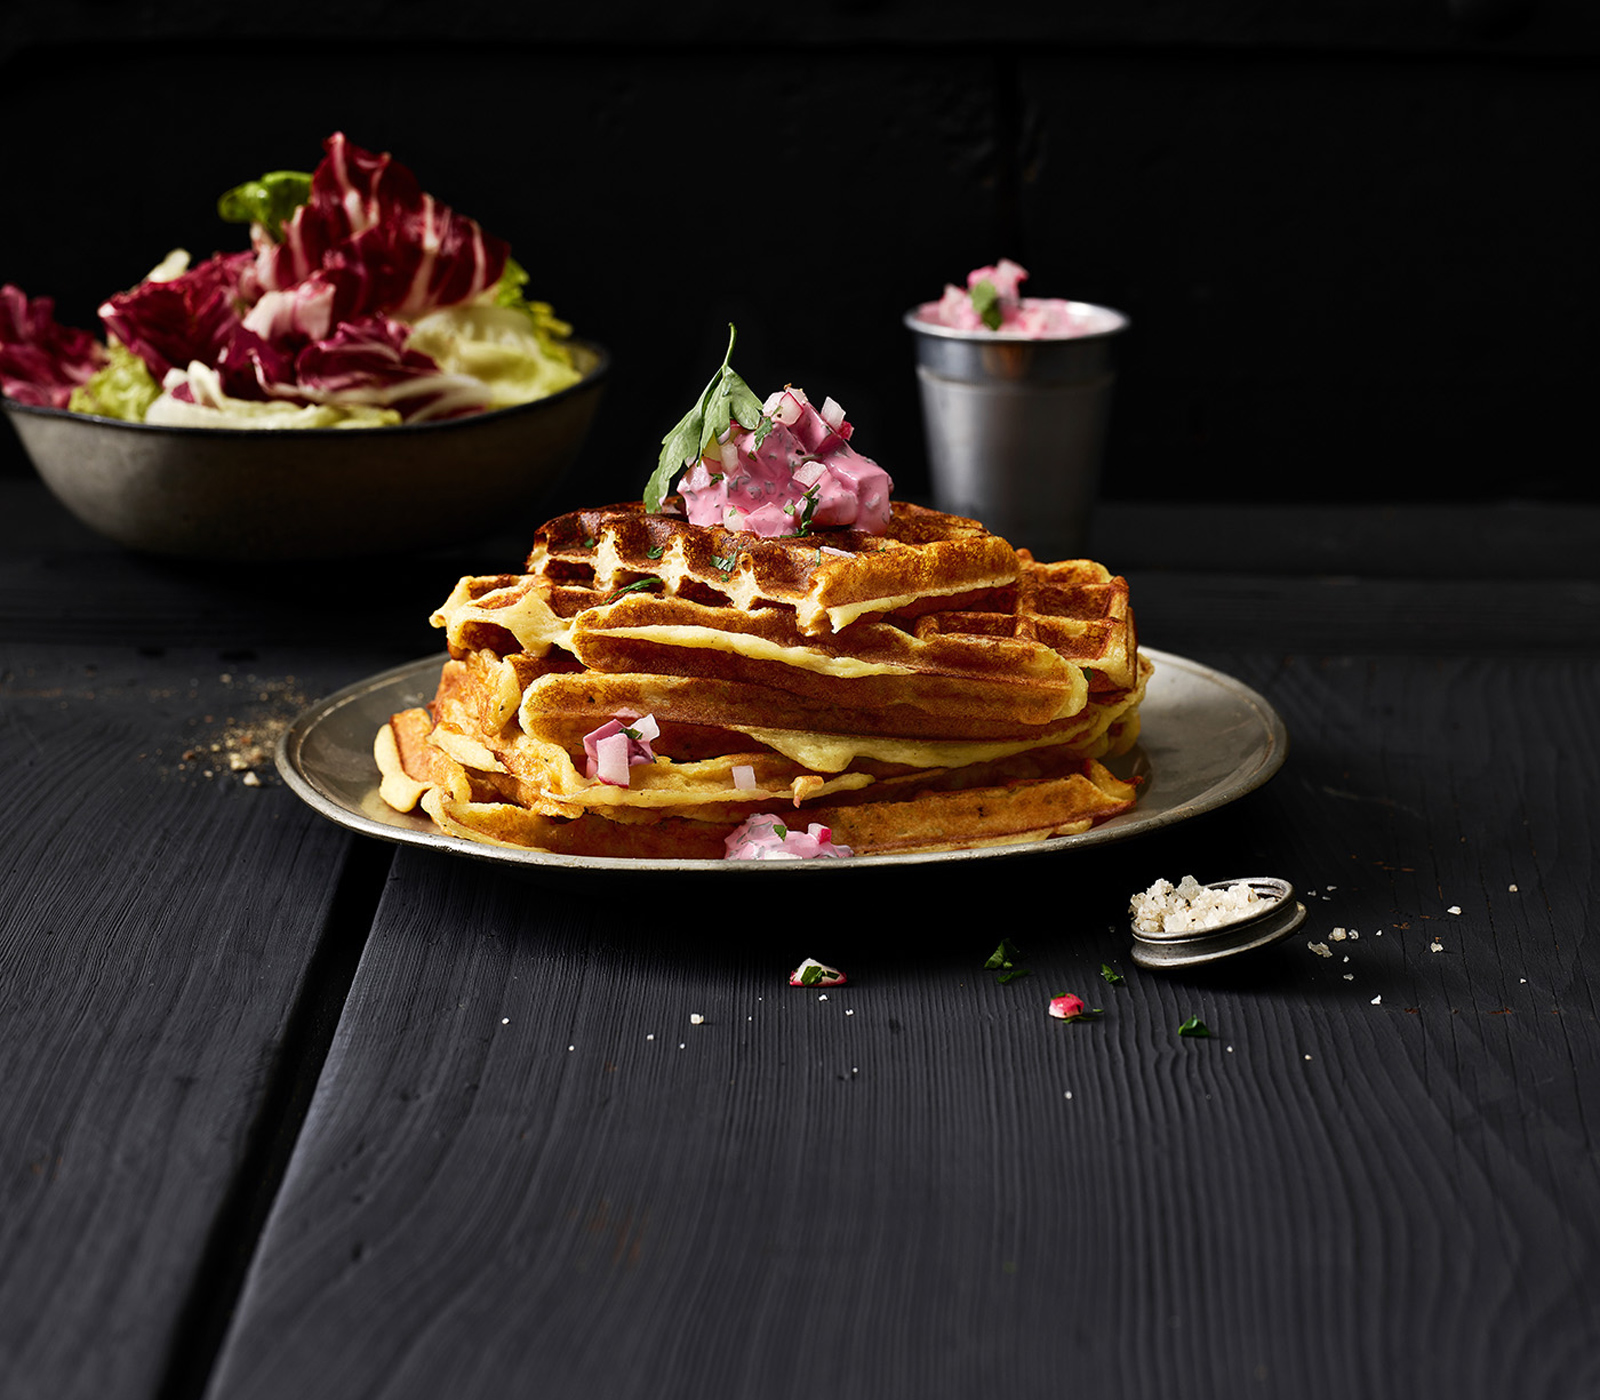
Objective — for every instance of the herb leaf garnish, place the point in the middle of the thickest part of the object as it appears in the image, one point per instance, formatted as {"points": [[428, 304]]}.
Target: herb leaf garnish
{"points": [[1003, 956], [986, 302], [642, 585], [726, 398]]}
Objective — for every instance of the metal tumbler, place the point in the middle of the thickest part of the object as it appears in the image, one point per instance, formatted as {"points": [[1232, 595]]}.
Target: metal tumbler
{"points": [[1016, 427]]}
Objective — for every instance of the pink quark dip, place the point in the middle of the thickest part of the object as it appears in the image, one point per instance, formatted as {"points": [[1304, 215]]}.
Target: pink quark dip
{"points": [[1035, 318], [802, 475], [766, 837]]}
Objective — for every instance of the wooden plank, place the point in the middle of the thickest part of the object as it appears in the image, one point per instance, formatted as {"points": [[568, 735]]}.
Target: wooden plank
{"points": [[173, 950], [529, 1168]]}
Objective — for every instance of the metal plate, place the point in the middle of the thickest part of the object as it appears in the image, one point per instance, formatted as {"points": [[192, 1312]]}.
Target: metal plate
{"points": [[1206, 739]]}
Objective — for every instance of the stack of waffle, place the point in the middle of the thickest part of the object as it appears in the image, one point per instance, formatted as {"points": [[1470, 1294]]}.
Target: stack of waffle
{"points": [[926, 689]]}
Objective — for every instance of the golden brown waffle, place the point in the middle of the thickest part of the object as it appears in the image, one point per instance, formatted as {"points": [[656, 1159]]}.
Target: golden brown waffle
{"points": [[929, 690], [488, 697], [1001, 804], [829, 578], [1031, 655]]}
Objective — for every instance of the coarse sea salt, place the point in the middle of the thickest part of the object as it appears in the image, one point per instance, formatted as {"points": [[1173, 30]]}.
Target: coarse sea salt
{"points": [[1189, 906]]}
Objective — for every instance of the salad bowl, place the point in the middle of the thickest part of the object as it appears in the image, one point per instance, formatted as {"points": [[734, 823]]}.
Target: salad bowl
{"points": [[310, 493]]}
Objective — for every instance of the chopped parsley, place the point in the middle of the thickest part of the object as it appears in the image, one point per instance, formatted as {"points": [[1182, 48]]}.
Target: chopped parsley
{"points": [[1003, 963], [1194, 1026], [1003, 956], [1111, 974], [638, 586]]}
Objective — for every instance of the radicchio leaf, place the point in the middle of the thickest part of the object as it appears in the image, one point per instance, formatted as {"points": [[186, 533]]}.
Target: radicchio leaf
{"points": [[42, 361]]}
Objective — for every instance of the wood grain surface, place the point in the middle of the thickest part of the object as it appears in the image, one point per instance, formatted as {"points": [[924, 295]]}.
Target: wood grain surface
{"points": [[295, 1114], [160, 923], [530, 1171]]}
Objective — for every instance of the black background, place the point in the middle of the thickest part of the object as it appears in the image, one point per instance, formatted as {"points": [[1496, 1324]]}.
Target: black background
{"points": [[1356, 241]]}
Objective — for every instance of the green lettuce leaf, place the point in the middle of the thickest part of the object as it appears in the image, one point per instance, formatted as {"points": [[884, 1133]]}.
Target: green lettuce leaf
{"points": [[514, 350], [124, 388], [269, 201]]}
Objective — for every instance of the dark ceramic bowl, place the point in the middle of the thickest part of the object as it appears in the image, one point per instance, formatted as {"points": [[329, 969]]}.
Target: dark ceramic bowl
{"points": [[310, 493]]}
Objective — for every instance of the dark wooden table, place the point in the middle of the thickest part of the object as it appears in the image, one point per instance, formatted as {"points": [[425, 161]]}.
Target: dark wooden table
{"points": [[289, 1112]]}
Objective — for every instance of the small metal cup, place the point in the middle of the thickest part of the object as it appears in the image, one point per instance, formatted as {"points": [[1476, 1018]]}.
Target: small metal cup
{"points": [[1016, 427]]}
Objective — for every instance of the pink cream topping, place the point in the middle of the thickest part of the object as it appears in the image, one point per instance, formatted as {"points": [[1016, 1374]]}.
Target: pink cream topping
{"points": [[794, 472], [992, 300], [765, 837], [616, 746]]}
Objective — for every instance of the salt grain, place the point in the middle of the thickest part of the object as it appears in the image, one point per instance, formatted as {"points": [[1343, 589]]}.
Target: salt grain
{"points": [[1189, 906], [1322, 950]]}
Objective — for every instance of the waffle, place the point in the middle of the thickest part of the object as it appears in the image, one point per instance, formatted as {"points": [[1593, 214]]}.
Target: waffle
{"points": [[828, 578], [1024, 654], [932, 689], [915, 814]]}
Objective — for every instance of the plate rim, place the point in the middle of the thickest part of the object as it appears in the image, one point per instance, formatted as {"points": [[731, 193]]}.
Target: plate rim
{"points": [[412, 830]]}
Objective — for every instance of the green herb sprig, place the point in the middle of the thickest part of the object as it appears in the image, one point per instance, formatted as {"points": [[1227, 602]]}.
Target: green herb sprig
{"points": [[727, 398]]}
